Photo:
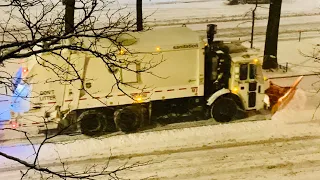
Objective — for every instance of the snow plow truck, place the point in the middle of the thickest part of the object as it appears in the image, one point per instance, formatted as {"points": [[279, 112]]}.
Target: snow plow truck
{"points": [[193, 73]]}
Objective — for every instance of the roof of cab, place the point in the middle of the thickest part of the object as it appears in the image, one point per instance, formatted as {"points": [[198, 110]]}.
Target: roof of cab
{"points": [[243, 57]]}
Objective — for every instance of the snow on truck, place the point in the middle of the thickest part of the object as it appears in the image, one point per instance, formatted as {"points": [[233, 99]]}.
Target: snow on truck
{"points": [[196, 73]]}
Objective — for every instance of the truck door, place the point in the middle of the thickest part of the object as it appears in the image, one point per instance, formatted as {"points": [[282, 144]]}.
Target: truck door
{"points": [[252, 90], [249, 85]]}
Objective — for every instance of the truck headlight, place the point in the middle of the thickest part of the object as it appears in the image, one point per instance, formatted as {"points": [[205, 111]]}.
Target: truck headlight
{"points": [[235, 90], [266, 100]]}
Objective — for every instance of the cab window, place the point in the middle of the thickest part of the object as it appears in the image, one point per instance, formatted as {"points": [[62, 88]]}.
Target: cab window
{"points": [[259, 74], [243, 71], [252, 71]]}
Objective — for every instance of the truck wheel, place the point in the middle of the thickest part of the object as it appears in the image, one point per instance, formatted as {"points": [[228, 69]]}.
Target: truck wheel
{"points": [[92, 122], [223, 109], [128, 119]]}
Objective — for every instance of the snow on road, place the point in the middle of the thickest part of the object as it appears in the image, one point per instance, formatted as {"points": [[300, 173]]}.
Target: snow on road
{"points": [[293, 110], [293, 159], [263, 150], [299, 160]]}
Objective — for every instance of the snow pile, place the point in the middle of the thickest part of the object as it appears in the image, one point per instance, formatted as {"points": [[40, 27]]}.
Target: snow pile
{"points": [[292, 112]]}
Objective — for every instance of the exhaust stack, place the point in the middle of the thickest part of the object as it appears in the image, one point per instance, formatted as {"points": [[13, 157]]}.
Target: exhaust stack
{"points": [[211, 31]]}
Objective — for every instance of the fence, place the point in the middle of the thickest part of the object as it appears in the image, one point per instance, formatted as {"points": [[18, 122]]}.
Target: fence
{"points": [[254, 1], [283, 67]]}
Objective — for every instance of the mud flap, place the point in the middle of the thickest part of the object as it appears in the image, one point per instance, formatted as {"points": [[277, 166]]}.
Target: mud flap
{"points": [[287, 97]]}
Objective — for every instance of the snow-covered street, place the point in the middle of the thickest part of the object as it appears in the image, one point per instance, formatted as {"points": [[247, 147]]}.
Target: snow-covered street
{"points": [[249, 150], [293, 159], [285, 146]]}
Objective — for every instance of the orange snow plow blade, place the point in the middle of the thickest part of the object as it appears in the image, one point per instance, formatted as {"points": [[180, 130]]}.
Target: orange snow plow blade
{"points": [[281, 96]]}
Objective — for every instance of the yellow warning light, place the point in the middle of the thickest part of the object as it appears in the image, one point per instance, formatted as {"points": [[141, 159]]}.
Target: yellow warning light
{"points": [[235, 90], [138, 99], [158, 48], [265, 78], [256, 60], [206, 44], [121, 52]]}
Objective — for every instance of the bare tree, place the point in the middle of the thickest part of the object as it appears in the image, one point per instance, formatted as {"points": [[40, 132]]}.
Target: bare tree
{"points": [[253, 20], [315, 54], [253, 12], [30, 28]]}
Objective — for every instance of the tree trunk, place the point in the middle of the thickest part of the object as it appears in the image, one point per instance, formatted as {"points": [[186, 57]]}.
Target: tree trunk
{"points": [[69, 15], [271, 44], [253, 20], [139, 15]]}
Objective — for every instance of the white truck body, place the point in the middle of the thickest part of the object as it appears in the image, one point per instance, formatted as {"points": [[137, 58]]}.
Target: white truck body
{"points": [[181, 74]]}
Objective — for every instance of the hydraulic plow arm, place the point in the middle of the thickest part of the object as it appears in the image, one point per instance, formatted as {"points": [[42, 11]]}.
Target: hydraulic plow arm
{"points": [[280, 96]]}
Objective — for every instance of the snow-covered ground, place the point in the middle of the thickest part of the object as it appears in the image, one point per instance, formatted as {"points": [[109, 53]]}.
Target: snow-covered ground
{"points": [[294, 159], [221, 151], [178, 12], [218, 158], [195, 10]]}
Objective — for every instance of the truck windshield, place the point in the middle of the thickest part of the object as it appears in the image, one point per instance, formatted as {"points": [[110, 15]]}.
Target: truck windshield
{"points": [[243, 71], [259, 73]]}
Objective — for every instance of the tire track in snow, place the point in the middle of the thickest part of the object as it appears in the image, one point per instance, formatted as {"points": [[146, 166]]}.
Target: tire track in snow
{"points": [[234, 162], [221, 146]]}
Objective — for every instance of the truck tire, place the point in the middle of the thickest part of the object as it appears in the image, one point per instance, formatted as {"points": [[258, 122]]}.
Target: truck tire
{"points": [[223, 109], [92, 122], [129, 119]]}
